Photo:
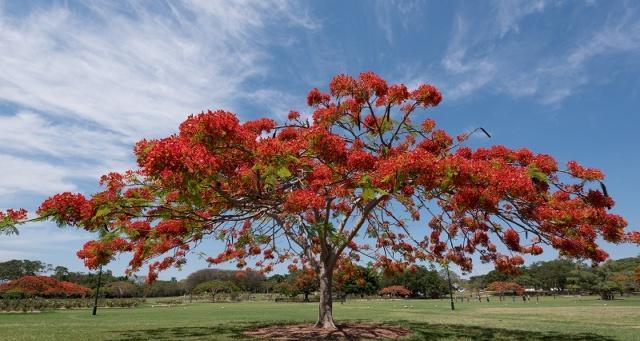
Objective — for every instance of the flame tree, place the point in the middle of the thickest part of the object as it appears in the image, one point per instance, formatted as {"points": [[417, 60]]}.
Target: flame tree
{"points": [[369, 175]]}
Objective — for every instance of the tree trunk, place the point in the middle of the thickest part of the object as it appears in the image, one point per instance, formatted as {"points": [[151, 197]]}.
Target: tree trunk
{"points": [[325, 309]]}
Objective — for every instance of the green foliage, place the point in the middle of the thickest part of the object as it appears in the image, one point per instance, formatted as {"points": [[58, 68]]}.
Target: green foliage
{"points": [[15, 268], [215, 287], [535, 173], [422, 282], [34, 304]]}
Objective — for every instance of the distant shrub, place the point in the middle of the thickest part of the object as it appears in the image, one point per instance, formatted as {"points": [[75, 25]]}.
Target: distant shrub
{"points": [[506, 287], [395, 290], [39, 304], [41, 286]]}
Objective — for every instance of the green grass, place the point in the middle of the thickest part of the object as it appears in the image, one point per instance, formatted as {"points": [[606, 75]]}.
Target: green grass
{"points": [[559, 319]]}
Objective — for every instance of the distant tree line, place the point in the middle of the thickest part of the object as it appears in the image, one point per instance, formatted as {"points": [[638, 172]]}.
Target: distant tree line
{"points": [[613, 277], [566, 276]]}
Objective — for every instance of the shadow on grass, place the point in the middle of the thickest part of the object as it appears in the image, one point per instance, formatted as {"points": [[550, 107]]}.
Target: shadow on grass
{"points": [[420, 331]]}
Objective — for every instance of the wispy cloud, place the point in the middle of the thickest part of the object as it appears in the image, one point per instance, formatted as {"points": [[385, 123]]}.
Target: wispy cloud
{"points": [[567, 74], [508, 13], [481, 56], [90, 80], [466, 74], [390, 13], [20, 174]]}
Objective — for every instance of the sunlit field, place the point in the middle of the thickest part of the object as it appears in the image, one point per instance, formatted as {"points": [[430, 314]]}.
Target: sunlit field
{"points": [[564, 318]]}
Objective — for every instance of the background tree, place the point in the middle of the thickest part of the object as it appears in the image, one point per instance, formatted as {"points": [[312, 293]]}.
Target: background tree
{"points": [[367, 164], [298, 282], [527, 280], [506, 287], [61, 273], [215, 287], [552, 274], [395, 291], [421, 281], [361, 281], [482, 281], [121, 289], [249, 281], [15, 268], [164, 288]]}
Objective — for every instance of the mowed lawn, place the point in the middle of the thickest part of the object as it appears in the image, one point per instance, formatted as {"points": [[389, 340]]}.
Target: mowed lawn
{"points": [[564, 318]]}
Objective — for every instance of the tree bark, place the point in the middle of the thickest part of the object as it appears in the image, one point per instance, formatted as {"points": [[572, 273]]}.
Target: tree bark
{"points": [[325, 309]]}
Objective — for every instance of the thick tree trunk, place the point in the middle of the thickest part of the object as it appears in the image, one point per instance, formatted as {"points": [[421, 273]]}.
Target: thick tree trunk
{"points": [[325, 309]]}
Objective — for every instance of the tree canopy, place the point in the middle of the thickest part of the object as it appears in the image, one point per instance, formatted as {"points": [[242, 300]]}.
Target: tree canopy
{"points": [[345, 183]]}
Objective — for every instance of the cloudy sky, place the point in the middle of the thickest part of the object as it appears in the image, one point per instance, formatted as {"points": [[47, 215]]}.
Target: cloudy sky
{"points": [[80, 82]]}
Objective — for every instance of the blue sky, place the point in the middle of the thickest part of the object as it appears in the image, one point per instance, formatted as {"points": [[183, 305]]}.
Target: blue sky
{"points": [[81, 82]]}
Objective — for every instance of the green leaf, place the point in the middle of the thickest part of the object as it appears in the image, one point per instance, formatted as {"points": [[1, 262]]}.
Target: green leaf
{"points": [[102, 212], [368, 193], [270, 180], [535, 173], [382, 191], [283, 172]]}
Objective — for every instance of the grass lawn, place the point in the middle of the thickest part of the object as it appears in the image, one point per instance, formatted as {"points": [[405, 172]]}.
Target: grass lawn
{"points": [[560, 319]]}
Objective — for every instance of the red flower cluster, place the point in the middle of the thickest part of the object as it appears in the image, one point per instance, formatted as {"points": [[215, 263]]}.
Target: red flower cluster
{"points": [[584, 173], [427, 95], [14, 215], [302, 200], [99, 252], [67, 208]]}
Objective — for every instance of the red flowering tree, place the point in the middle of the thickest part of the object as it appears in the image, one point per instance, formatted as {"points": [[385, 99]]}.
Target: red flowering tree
{"points": [[44, 286], [503, 287], [395, 290], [303, 281], [345, 184]]}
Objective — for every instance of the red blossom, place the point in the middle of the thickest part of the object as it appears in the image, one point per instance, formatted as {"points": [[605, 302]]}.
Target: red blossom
{"points": [[293, 115], [315, 97], [67, 208], [427, 95]]}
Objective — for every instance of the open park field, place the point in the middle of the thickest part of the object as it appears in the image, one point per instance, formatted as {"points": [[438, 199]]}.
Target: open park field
{"points": [[565, 318]]}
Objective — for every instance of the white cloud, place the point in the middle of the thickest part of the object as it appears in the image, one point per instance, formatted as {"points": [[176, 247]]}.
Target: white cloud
{"points": [[28, 133], [19, 174], [90, 82]]}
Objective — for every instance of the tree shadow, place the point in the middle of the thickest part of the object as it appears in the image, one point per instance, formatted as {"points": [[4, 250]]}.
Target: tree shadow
{"points": [[420, 331], [215, 332], [425, 331]]}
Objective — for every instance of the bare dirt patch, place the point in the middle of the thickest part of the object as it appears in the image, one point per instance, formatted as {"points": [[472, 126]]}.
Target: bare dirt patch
{"points": [[347, 331]]}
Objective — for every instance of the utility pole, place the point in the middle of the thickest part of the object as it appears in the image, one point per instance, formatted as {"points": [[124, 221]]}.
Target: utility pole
{"points": [[453, 307]]}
